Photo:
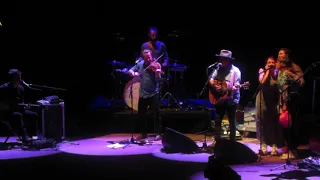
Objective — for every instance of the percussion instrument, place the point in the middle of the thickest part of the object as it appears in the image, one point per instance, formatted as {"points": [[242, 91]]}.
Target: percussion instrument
{"points": [[116, 63], [135, 83]]}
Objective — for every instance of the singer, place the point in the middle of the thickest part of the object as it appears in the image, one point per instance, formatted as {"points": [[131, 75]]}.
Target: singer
{"points": [[148, 92], [229, 75], [11, 94], [269, 130], [290, 74]]}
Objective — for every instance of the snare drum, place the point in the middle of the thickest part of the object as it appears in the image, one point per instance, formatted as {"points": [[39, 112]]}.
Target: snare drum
{"points": [[132, 101]]}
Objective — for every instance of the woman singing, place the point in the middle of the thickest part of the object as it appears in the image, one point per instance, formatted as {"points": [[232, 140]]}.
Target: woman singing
{"points": [[269, 130]]}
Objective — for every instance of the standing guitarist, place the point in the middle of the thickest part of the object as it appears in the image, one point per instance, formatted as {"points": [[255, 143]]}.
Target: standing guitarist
{"points": [[224, 92]]}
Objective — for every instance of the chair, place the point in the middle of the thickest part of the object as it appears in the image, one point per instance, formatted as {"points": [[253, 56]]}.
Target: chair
{"points": [[5, 145]]}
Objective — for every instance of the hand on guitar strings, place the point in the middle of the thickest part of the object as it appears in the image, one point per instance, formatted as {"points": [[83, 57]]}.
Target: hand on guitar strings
{"points": [[236, 87]]}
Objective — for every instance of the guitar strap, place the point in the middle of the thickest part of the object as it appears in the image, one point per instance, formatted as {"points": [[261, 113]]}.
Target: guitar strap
{"points": [[231, 83]]}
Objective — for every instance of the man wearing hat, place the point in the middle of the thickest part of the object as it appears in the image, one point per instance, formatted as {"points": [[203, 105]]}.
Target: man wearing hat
{"points": [[230, 75]]}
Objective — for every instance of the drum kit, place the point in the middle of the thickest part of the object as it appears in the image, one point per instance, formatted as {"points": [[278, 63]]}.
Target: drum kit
{"points": [[122, 83]]}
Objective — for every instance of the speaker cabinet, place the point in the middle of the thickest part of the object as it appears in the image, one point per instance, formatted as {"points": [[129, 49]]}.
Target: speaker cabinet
{"points": [[176, 142], [53, 122], [217, 170], [232, 152]]}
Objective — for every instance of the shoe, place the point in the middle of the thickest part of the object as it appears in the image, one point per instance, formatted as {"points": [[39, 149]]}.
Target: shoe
{"points": [[264, 149], [26, 138], [141, 136], [157, 138], [274, 151], [292, 155]]}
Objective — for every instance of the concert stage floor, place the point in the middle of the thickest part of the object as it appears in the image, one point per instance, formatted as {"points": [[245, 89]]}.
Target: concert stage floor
{"points": [[94, 157]]}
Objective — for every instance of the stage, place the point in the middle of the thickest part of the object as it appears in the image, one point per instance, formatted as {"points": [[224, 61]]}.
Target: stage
{"points": [[95, 157], [195, 115]]}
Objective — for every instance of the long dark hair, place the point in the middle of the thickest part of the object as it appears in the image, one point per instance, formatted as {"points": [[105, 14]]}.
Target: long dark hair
{"points": [[270, 57], [287, 51]]}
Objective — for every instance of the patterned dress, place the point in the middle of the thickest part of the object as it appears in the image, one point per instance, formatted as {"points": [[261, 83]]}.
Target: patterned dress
{"points": [[282, 85], [269, 130]]}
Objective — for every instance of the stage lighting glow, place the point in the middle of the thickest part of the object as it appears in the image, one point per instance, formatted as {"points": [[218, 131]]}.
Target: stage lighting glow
{"points": [[250, 171], [198, 157], [103, 147], [23, 154]]}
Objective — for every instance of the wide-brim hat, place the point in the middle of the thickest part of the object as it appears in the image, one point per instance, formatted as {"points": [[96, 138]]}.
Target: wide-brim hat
{"points": [[225, 54]]}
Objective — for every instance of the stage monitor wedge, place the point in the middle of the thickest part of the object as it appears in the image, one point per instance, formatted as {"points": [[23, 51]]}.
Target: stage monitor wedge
{"points": [[233, 152], [176, 142]]}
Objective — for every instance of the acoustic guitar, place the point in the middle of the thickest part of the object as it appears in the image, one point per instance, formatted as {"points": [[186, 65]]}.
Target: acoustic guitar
{"points": [[216, 96]]}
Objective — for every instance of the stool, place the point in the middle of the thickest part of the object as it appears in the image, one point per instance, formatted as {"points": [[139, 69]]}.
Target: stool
{"points": [[5, 145]]}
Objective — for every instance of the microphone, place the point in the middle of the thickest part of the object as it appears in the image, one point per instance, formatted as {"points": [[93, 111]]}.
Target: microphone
{"points": [[29, 86], [26, 84], [138, 60], [271, 67], [215, 64]]}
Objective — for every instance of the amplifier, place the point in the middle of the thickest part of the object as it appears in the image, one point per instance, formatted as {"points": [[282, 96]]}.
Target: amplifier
{"points": [[53, 121]]}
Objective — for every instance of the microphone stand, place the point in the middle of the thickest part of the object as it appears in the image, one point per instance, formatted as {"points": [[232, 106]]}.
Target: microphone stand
{"points": [[132, 140], [31, 86], [205, 145], [259, 88], [47, 87], [288, 161]]}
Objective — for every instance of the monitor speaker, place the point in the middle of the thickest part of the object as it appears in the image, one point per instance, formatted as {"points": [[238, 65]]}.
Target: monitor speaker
{"points": [[233, 152], [53, 122], [217, 170], [176, 142]]}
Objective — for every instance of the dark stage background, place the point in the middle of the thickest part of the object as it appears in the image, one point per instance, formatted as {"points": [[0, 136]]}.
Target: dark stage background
{"points": [[67, 45]]}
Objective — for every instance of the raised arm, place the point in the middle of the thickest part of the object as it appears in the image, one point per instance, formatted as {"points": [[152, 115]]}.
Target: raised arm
{"points": [[133, 70], [263, 75]]}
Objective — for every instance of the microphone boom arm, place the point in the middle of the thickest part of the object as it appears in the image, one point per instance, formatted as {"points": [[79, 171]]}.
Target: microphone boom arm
{"points": [[47, 87]]}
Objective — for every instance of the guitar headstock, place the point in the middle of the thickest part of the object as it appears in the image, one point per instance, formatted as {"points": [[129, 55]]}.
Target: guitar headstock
{"points": [[245, 85]]}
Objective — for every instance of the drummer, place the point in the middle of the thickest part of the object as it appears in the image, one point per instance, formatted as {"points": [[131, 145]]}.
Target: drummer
{"points": [[149, 92]]}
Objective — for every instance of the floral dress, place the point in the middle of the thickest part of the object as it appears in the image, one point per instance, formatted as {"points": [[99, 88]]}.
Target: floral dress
{"points": [[282, 85]]}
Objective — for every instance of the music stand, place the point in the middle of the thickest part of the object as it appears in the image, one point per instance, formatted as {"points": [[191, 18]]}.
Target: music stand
{"points": [[288, 161]]}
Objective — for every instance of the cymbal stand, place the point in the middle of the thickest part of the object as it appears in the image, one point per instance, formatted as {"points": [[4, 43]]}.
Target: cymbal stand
{"points": [[170, 96], [168, 99]]}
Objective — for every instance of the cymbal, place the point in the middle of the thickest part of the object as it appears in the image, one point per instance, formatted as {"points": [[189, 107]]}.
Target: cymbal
{"points": [[114, 62], [177, 65]]}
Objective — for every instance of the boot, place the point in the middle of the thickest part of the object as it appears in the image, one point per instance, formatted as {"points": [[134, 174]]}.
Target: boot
{"points": [[24, 135], [274, 151]]}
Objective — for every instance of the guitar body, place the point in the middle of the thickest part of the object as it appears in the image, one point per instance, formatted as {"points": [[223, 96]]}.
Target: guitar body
{"points": [[216, 96]]}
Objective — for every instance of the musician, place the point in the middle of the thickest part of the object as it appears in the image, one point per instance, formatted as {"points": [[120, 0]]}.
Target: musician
{"points": [[149, 91], [290, 75], [11, 94], [269, 130], [156, 47], [230, 74]]}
